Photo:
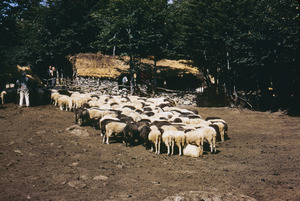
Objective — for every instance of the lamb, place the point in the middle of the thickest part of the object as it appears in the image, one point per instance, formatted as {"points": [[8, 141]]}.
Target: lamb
{"points": [[113, 128], [192, 151], [155, 139]]}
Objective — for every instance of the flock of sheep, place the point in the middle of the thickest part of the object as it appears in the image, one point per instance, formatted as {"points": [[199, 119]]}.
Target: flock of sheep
{"points": [[151, 122]]}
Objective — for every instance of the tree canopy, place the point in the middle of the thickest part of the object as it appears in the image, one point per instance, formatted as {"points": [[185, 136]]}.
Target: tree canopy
{"points": [[246, 45]]}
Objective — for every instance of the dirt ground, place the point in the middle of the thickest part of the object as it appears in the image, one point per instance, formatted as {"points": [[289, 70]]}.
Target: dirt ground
{"points": [[41, 160]]}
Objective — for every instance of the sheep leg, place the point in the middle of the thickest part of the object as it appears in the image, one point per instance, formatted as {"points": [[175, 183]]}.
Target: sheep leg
{"points": [[158, 149], [222, 137], [103, 139], [214, 144], [155, 144], [180, 150], [172, 144], [168, 146], [107, 136]]}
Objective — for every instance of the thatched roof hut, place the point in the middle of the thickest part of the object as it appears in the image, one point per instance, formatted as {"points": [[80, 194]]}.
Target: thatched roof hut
{"points": [[98, 65], [112, 67], [106, 66]]}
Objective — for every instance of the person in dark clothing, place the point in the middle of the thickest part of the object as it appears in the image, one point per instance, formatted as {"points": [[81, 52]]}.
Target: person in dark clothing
{"points": [[23, 89], [54, 76], [49, 78]]}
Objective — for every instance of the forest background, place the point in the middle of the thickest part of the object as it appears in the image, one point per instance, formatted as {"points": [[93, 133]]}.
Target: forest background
{"points": [[250, 46]]}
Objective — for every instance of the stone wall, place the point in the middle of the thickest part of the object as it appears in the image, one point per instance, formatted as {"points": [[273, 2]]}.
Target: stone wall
{"points": [[111, 87]]}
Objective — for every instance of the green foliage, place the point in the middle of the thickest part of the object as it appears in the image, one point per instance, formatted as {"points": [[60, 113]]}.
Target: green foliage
{"points": [[134, 27]]}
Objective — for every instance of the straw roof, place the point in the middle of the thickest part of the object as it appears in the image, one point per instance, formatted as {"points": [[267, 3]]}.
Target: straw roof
{"points": [[105, 66], [98, 65], [180, 67]]}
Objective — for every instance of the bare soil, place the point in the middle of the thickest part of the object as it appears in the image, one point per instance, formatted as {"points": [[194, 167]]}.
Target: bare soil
{"points": [[41, 160]]}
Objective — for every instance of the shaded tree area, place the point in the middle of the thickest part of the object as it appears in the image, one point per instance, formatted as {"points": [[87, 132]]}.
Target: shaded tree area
{"points": [[250, 47], [40, 34], [247, 50]]}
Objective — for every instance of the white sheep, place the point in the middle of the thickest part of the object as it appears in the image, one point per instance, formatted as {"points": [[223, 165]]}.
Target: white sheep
{"points": [[80, 101], [162, 114], [180, 140], [169, 128], [192, 151], [95, 103], [95, 113], [223, 128], [54, 97], [168, 140], [113, 128], [104, 121], [196, 121], [135, 116], [155, 139], [209, 135], [64, 102], [195, 137]]}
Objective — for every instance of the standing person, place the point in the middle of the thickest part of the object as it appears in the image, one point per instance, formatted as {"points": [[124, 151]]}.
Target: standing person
{"points": [[54, 75], [124, 80], [23, 89], [49, 78]]}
